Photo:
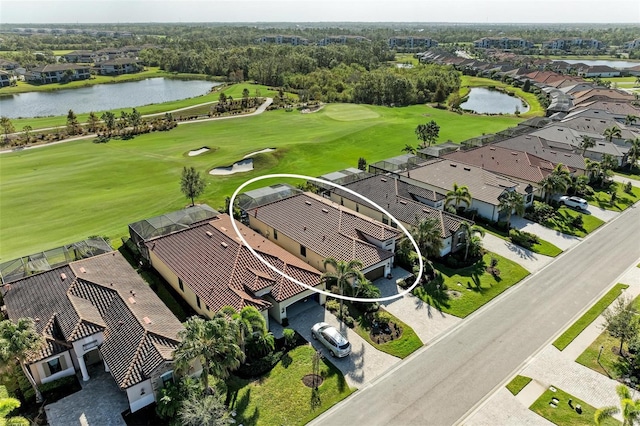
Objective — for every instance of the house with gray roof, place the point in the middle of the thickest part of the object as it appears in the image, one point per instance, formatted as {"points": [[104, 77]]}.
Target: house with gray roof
{"points": [[56, 73], [98, 311], [407, 203], [547, 150], [313, 228]]}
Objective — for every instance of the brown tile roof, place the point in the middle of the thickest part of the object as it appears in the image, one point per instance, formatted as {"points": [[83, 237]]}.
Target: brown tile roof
{"points": [[613, 107], [95, 295], [60, 67], [507, 162], [483, 185], [548, 150], [327, 229], [222, 271], [399, 199], [598, 94]]}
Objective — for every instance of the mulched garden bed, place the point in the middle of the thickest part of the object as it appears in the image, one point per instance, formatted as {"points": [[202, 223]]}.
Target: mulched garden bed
{"points": [[312, 380]]}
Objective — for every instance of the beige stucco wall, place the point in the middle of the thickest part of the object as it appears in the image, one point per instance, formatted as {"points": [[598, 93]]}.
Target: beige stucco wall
{"points": [[38, 369]]}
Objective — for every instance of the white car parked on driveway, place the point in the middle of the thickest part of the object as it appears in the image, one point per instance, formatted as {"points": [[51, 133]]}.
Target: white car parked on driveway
{"points": [[331, 338], [574, 202]]}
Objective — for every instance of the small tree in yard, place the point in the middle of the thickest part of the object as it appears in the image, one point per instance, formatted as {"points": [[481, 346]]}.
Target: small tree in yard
{"points": [[621, 321], [629, 408], [191, 184], [362, 164], [27, 133], [7, 128]]}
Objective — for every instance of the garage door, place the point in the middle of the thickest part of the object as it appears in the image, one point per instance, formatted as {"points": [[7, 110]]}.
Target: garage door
{"points": [[375, 274]]}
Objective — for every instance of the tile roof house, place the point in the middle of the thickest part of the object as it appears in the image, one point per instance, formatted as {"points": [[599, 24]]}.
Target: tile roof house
{"points": [[313, 229], [485, 187], [56, 73], [119, 66], [98, 310], [210, 268], [601, 94], [547, 150], [405, 202]]}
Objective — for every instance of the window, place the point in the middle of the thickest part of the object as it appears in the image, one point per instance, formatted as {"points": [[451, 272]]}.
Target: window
{"points": [[54, 365], [180, 284], [198, 301], [385, 220], [357, 208], [341, 201], [275, 234], [303, 251], [167, 378]]}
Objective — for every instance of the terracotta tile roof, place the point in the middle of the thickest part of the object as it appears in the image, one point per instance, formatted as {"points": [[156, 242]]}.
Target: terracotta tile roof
{"points": [[222, 271], [326, 228], [400, 199], [96, 295], [507, 162], [597, 94], [483, 185]]}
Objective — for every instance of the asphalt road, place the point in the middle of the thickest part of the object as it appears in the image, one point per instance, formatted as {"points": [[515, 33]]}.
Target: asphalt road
{"points": [[441, 383]]}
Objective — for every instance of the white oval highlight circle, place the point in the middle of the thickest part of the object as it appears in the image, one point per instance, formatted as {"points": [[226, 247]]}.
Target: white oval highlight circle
{"points": [[281, 273]]}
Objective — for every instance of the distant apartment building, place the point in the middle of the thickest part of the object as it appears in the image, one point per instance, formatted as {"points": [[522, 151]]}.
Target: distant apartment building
{"points": [[410, 42], [633, 44], [572, 43], [6, 78], [283, 39], [119, 66], [341, 39], [56, 73], [83, 56], [502, 43]]}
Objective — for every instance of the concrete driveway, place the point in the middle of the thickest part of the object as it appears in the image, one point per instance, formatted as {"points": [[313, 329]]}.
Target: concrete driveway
{"points": [[563, 241], [364, 364], [529, 260], [601, 213]]}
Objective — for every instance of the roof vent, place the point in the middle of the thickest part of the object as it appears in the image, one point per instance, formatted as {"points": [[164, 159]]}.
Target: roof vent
{"points": [[63, 276], [514, 153], [132, 300], [425, 210], [209, 234], [223, 229], [453, 165], [467, 169], [325, 211], [308, 203], [146, 320], [403, 202], [492, 148], [223, 244], [383, 179], [84, 271]]}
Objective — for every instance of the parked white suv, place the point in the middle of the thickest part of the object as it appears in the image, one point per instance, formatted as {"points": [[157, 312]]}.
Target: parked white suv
{"points": [[574, 202]]}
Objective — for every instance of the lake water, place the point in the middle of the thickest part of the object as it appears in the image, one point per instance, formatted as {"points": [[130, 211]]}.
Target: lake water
{"points": [[485, 101], [102, 97], [613, 63]]}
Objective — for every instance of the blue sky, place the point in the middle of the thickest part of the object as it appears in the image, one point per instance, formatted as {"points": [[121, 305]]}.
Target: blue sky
{"points": [[466, 11]]}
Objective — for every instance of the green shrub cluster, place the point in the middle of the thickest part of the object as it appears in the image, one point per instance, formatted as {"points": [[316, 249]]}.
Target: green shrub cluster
{"points": [[522, 238], [540, 212]]}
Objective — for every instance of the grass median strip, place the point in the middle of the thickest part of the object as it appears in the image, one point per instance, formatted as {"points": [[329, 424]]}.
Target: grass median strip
{"points": [[596, 310], [517, 384], [560, 408]]}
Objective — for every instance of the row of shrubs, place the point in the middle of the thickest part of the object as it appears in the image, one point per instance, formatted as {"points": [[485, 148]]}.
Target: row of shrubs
{"points": [[542, 212]]}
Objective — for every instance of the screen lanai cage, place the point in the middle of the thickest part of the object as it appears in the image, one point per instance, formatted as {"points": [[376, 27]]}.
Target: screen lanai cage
{"points": [[262, 196], [46, 260], [148, 229]]}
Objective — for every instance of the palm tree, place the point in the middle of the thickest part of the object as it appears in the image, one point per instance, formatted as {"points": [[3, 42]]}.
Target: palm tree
{"points": [[470, 233], [214, 343], [344, 273], [248, 321], [630, 119], [510, 202], [581, 185], [612, 132], [459, 194], [594, 169], [92, 122], [634, 152], [7, 405], [428, 236], [586, 143], [630, 409], [557, 181], [17, 341], [109, 119], [409, 149], [207, 411]]}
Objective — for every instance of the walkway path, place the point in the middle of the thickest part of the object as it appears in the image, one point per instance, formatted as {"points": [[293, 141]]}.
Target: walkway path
{"points": [[563, 241], [259, 110], [624, 179], [557, 368]]}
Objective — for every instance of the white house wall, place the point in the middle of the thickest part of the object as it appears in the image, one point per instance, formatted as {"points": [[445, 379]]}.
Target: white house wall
{"points": [[137, 400]]}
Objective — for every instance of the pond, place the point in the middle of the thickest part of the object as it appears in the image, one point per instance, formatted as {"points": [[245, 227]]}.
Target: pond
{"points": [[484, 101], [102, 97], [612, 63]]}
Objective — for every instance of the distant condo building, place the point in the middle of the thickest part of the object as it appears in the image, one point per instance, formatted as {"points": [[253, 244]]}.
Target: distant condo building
{"points": [[410, 42], [571, 43], [284, 39], [341, 39], [502, 43]]}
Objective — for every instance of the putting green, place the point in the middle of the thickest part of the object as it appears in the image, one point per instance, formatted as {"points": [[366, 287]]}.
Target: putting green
{"points": [[349, 112]]}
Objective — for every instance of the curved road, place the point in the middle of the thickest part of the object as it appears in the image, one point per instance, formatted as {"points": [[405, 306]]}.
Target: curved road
{"points": [[445, 381]]}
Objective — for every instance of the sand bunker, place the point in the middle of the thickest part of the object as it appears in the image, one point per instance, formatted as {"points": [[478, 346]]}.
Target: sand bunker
{"points": [[240, 166], [198, 151], [259, 152]]}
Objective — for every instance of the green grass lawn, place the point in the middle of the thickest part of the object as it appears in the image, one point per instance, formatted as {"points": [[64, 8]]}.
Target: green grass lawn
{"points": [[408, 342], [234, 90], [535, 109], [63, 193], [563, 414], [594, 312], [280, 397], [562, 222], [517, 384], [469, 288], [602, 199], [542, 247]]}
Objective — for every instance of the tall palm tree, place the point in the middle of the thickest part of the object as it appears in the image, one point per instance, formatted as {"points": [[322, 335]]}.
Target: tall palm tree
{"points": [[612, 132], [630, 409], [634, 152], [586, 143], [630, 120], [248, 321], [343, 274], [427, 234], [557, 181], [214, 343], [470, 232], [459, 194], [7, 405], [409, 149], [594, 169], [17, 341], [510, 202]]}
